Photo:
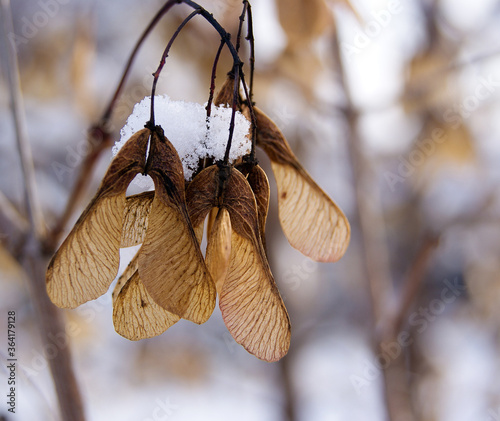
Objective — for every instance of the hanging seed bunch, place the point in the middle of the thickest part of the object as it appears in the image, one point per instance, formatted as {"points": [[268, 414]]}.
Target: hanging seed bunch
{"points": [[169, 278]]}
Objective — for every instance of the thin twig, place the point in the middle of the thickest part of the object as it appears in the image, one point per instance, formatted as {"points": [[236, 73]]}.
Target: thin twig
{"points": [[240, 26], [9, 211], [101, 138], [217, 26], [415, 276], [33, 208], [413, 282], [156, 75], [375, 254], [236, 95], [50, 322], [250, 39], [55, 338], [166, 7], [253, 119], [212, 79], [285, 367]]}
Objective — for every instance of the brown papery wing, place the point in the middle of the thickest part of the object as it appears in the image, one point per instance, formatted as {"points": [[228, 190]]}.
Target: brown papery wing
{"points": [[270, 138], [211, 220], [201, 194], [226, 92], [311, 221], [219, 248], [259, 183], [135, 315], [135, 218], [171, 265], [201, 198], [88, 259], [251, 305]]}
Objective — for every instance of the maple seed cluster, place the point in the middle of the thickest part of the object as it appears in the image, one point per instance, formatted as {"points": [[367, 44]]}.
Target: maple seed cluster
{"points": [[169, 278]]}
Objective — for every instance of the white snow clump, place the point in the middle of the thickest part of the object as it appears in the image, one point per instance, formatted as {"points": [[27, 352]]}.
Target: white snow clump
{"points": [[185, 125]]}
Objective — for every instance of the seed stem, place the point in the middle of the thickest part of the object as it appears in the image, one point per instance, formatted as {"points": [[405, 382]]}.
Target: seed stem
{"points": [[166, 7], [156, 75], [212, 79], [250, 39]]}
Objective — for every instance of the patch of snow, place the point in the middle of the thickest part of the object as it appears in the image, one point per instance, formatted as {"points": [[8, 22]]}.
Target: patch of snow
{"points": [[185, 125]]}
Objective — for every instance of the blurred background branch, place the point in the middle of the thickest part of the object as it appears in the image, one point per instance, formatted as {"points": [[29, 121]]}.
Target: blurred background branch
{"points": [[391, 106], [31, 254]]}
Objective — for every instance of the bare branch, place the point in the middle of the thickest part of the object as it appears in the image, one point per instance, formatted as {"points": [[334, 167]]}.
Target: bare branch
{"points": [[375, 255], [49, 317], [9, 211], [413, 282], [53, 332], [9, 55]]}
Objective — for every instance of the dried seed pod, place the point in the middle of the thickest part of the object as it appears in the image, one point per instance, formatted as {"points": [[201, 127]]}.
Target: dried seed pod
{"points": [[226, 92], [135, 218], [135, 315], [171, 265], [88, 259], [311, 221], [212, 215], [248, 290], [219, 248], [201, 196], [303, 20], [259, 183], [251, 305]]}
